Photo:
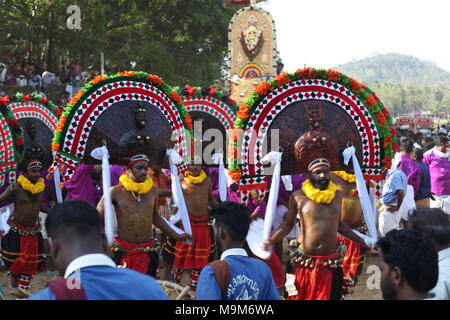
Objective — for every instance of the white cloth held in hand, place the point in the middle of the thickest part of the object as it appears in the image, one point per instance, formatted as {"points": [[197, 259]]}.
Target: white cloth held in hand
{"points": [[57, 181], [274, 158], [366, 204], [103, 154], [287, 181], [177, 192]]}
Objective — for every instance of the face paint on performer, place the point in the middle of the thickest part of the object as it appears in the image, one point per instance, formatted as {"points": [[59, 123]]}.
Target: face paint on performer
{"points": [[319, 173], [138, 167], [195, 166], [194, 169], [33, 172]]}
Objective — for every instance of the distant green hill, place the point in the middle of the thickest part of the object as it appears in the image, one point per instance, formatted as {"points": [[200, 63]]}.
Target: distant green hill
{"points": [[396, 68]]}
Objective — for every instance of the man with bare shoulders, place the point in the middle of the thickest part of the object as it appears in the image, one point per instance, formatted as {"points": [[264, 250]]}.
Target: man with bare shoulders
{"points": [[351, 215], [197, 192], [134, 201], [22, 247], [317, 260]]}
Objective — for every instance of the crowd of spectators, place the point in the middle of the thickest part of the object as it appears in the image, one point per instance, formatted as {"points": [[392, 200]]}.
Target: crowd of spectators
{"points": [[24, 70]]}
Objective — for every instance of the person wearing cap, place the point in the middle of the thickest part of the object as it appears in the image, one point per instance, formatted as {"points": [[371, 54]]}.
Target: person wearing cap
{"points": [[135, 204], [22, 247], [438, 160], [198, 195], [317, 259]]}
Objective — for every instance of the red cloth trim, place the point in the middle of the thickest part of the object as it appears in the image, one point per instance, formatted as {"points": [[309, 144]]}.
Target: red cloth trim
{"points": [[315, 283], [352, 258], [196, 255], [276, 266], [137, 260], [28, 259]]}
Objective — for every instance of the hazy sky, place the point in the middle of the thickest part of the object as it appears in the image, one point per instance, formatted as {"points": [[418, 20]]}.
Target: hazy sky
{"points": [[324, 33]]}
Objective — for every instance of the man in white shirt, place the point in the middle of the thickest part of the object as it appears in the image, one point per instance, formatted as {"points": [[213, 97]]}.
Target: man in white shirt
{"points": [[435, 225]]}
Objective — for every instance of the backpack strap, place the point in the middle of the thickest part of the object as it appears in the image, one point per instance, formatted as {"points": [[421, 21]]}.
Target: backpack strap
{"points": [[62, 292], [221, 270]]}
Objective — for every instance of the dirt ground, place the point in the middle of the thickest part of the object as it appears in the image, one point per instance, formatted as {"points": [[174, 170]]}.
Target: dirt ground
{"points": [[359, 292]]}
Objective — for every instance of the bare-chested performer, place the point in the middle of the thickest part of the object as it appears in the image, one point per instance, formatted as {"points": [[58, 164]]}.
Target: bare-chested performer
{"points": [[197, 192], [318, 275], [22, 247], [134, 201], [352, 216]]}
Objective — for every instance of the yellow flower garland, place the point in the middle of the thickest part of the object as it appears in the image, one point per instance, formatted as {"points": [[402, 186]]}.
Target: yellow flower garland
{"points": [[26, 184], [133, 186], [317, 195], [196, 180], [350, 178]]}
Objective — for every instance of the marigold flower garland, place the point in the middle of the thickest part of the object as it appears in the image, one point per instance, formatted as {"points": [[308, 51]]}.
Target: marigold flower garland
{"points": [[196, 180], [350, 178], [26, 184], [317, 195], [133, 186]]}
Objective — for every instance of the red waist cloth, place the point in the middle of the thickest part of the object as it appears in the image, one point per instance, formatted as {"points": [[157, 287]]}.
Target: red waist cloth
{"points": [[314, 283], [134, 258], [276, 266], [352, 259], [29, 256], [196, 255]]}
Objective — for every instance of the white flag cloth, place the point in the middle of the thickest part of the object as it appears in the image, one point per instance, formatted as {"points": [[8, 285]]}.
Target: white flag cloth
{"points": [[57, 181], [173, 227], [5, 212], [287, 181], [177, 192], [102, 154], [366, 204], [217, 158], [274, 158], [255, 239]]}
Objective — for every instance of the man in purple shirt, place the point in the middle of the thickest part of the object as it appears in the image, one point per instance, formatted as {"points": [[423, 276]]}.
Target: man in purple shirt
{"points": [[409, 167], [438, 160]]}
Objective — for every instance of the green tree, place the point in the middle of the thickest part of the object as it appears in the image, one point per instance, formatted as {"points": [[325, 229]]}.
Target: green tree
{"points": [[185, 41]]}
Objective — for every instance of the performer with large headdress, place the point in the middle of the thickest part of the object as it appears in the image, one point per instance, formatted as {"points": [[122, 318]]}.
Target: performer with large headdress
{"points": [[23, 245], [134, 117], [317, 117], [213, 113], [197, 191]]}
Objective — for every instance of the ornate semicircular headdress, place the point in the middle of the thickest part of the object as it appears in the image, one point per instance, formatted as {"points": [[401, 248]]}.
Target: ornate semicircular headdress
{"points": [[130, 112], [11, 143], [209, 108], [38, 118], [311, 114]]}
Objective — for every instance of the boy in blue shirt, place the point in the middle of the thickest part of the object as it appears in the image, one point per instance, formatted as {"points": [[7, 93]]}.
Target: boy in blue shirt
{"points": [[236, 276]]}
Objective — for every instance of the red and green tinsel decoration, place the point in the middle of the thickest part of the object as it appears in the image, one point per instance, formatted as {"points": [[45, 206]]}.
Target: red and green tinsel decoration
{"points": [[211, 91], [125, 75], [16, 129]]}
